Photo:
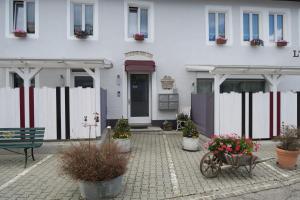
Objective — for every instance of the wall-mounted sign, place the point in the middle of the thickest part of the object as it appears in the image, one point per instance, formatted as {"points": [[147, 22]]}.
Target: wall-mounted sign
{"points": [[167, 82]]}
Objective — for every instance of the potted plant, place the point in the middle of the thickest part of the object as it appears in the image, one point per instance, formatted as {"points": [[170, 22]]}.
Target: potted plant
{"points": [[281, 43], [167, 126], [122, 135], [221, 40], [139, 37], [99, 170], [20, 33], [288, 149], [257, 42], [190, 140], [233, 149], [81, 34]]}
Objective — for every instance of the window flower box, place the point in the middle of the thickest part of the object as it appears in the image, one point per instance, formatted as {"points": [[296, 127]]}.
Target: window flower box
{"points": [[20, 33], [81, 34], [256, 42], [139, 37], [221, 40], [281, 43]]}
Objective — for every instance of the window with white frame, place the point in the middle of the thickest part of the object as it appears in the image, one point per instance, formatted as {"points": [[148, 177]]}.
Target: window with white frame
{"points": [[251, 26], [138, 21], [276, 27], [23, 16], [216, 25], [82, 18]]}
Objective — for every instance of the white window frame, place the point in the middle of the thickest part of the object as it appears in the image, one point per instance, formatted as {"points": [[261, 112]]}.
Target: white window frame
{"points": [[70, 29], [287, 30], [261, 15], [9, 23], [228, 23], [140, 4]]}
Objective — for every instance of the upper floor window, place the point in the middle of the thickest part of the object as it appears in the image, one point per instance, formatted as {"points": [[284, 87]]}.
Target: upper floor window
{"points": [[137, 21], [22, 17], [82, 19], [251, 26], [216, 21], [276, 26]]}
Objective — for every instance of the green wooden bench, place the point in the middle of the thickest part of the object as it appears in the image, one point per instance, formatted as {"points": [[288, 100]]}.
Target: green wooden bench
{"points": [[21, 138]]}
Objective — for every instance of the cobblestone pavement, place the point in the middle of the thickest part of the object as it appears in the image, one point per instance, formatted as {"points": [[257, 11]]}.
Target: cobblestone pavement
{"points": [[158, 169]]}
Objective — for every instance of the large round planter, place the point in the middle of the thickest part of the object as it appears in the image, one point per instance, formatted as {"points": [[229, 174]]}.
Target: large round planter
{"points": [[101, 189], [287, 159], [190, 144], [124, 145]]}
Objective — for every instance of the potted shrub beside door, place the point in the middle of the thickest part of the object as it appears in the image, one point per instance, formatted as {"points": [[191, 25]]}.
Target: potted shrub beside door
{"points": [[122, 135], [190, 140], [288, 149], [98, 170]]}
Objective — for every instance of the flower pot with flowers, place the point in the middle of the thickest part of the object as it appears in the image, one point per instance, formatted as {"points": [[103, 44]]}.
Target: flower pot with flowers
{"points": [[20, 33], [228, 150], [139, 37], [256, 42], [122, 135], [99, 170], [281, 43], [190, 140], [81, 34], [289, 147], [221, 40]]}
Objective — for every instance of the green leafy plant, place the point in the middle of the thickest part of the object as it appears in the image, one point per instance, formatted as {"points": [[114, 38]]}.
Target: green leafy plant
{"points": [[167, 126], [122, 129], [190, 129], [289, 138], [183, 117]]}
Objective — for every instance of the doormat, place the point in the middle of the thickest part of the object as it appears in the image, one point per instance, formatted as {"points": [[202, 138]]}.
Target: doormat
{"points": [[139, 127]]}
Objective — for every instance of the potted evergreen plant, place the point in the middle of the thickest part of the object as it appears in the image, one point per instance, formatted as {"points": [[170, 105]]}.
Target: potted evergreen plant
{"points": [[122, 135], [99, 170], [288, 149], [190, 140], [256, 42], [81, 34]]}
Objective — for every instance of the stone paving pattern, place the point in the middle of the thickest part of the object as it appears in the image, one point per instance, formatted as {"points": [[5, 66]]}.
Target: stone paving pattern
{"points": [[148, 175]]}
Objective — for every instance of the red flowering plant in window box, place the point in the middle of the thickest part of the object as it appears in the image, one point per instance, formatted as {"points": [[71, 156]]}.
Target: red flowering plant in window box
{"points": [[139, 37], [232, 149], [20, 33], [281, 43], [221, 40]]}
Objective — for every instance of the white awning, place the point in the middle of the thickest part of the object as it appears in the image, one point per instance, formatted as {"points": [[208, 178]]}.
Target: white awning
{"points": [[244, 69], [54, 63]]}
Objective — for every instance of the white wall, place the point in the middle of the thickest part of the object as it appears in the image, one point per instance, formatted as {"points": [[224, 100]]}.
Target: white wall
{"points": [[179, 39], [9, 108]]}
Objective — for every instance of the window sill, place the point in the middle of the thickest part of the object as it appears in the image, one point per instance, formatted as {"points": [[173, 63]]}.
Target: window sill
{"points": [[29, 36], [72, 37], [213, 43], [146, 40]]}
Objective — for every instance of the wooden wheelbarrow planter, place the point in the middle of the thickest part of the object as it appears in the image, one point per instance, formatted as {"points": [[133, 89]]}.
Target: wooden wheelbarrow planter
{"points": [[211, 164]]}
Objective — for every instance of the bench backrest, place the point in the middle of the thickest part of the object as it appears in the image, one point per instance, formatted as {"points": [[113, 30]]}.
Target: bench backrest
{"points": [[22, 135]]}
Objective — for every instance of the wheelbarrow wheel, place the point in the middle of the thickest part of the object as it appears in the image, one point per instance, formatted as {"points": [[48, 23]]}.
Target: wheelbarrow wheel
{"points": [[210, 165]]}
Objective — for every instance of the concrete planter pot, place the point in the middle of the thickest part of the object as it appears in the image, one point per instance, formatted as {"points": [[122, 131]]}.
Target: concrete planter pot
{"points": [[190, 144], [101, 189], [124, 145], [287, 159]]}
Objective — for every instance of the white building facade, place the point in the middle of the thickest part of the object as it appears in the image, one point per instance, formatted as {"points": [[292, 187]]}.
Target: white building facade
{"points": [[179, 44]]}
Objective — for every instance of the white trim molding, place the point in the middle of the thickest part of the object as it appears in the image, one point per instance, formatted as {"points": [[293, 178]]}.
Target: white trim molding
{"points": [[228, 23], [9, 19], [95, 3], [141, 4]]}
